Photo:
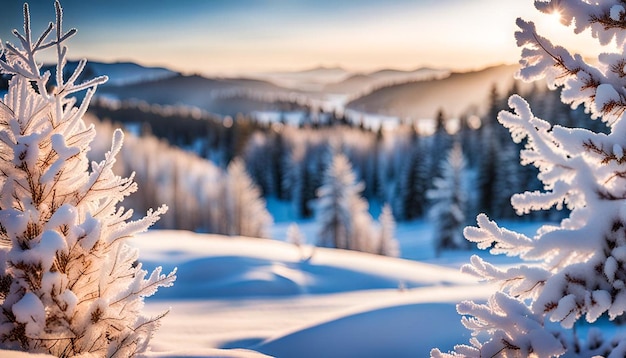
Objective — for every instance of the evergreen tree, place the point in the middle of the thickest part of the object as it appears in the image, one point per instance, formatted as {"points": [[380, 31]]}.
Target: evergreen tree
{"points": [[305, 176], [69, 283], [258, 157], [333, 209], [341, 212], [468, 139], [245, 208], [279, 152], [488, 159], [440, 144], [413, 183], [449, 202], [506, 181], [363, 237], [577, 272], [387, 243]]}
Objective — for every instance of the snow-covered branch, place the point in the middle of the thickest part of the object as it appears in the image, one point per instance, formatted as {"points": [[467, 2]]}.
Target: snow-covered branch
{"points": [[575, 267]]}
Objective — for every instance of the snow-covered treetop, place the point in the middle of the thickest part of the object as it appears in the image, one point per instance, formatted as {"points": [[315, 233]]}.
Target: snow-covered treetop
{"points": [[70, 284], [23, 61], [600, 88]]}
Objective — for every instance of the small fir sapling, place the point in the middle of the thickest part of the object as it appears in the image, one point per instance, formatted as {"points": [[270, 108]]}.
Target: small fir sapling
{"points": [[387, 243], [69, 283], [578, 265], [296, 237]]}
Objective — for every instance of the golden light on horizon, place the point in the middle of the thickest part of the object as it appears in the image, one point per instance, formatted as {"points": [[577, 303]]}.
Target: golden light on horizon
{"points": [[232, 39]]}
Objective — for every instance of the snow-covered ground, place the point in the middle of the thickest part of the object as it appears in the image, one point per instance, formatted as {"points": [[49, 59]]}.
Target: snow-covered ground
{"points": [[268, 296], [245, 297], [249, 297]]}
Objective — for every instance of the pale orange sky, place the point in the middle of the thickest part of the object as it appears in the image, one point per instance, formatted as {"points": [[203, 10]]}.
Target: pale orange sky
{"points": [[241, 36]]}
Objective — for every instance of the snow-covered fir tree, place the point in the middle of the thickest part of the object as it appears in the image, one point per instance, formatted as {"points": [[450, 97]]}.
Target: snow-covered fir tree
{"points": [[363, 236], [333, 208], [244, 208], [449, 202], [69, 283], [344, 222], [487, 163], [578, 265], [387, 243], [195, 187]]}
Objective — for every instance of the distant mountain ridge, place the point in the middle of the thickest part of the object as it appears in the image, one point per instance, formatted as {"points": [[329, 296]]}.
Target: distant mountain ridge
{"points": [[119, 73], [313, 79], [339, 80], [415, 94], [210, 94], [454, 94], [357, 84]]}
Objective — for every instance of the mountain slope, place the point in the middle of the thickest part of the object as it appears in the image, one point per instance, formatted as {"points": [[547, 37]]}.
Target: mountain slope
{"points": [[362, 83], [119, 73], [210, 94], [422, 99], [313, 79]]}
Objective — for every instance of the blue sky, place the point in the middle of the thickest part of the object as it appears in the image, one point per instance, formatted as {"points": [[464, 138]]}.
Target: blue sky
{"points": [[239, 36]]}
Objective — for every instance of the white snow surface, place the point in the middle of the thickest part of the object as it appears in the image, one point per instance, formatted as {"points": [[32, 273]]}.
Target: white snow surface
{"points": [[249, 297], [238, 296]]}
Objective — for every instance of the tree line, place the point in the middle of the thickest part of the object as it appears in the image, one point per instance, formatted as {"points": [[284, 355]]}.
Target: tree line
{"points": [[395, 165]]}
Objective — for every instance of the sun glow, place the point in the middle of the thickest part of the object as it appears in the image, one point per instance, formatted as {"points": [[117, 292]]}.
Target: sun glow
{"points": [[555, 17], [552, 23], [552, 27]]}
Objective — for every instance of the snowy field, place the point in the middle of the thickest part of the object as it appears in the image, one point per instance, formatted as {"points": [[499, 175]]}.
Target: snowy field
{"points": [[249, 297], [261, 295], [245, 297]]}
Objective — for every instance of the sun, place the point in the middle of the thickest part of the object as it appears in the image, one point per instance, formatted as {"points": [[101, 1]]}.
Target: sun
{"points": [[553, 21], [555, 17], [556, 28], [552, 25]]}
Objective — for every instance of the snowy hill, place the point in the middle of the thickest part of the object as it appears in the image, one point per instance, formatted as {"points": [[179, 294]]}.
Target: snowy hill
{"points": [[422, 99], [206, 93], [260, 295], [221, 266], [313, 79], [358, 84], [249, 297], [416, 94], [337, 80]]}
